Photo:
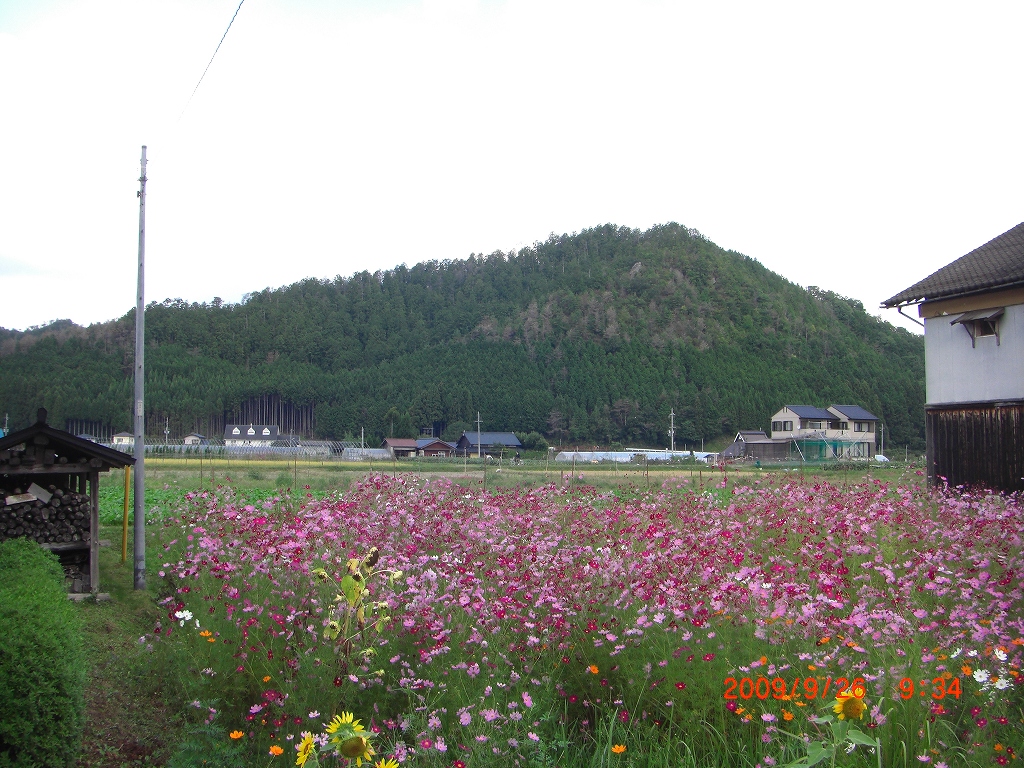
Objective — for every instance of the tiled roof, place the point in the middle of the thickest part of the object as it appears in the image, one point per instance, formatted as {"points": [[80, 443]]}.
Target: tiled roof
{"points": [[855, 412], [267, 432], [999, 263], [809, 412], [402, 443]]}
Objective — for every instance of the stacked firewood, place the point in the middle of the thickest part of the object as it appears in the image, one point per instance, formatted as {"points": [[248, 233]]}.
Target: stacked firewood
{"points": [[61, 519]]}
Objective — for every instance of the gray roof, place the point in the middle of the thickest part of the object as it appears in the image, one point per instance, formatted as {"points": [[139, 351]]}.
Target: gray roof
{"points": [[508, 439], [267, 432], [855, 412], [999, 263], [809, 412]]}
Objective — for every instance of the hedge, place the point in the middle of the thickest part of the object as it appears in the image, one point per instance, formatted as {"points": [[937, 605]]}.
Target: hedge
{"points": [[42, 663]]}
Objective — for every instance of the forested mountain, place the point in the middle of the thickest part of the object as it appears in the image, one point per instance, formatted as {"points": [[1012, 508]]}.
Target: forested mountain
{"points": [[589, 338]]}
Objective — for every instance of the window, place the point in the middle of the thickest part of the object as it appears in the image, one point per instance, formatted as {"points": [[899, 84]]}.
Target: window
{"points": [[776, 426], [980, 323], [787, 426], [863, 426], [814, 425], [844, 425]]}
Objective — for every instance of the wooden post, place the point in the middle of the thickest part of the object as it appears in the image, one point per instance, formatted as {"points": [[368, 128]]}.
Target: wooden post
{"points": [[94, 532], [124, 526]]}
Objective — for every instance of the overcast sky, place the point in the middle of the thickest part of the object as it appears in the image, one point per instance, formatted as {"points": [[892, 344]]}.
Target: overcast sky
{"points": [[856, 147]]}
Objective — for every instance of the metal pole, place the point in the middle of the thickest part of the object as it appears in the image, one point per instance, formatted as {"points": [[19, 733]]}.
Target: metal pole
{"points": [[140, 399]]}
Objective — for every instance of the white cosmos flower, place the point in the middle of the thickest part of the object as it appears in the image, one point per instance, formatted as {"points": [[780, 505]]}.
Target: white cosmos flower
{"points": [[981, 675], [1002, 683], [1000, 654]]}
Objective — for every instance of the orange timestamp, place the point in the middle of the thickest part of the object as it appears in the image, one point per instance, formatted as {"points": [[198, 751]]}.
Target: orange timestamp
{"points": [[941, 687], [779, 688]]}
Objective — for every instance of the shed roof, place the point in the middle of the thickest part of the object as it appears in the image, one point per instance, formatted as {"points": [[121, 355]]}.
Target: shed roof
{"points": [[424, 442], [855, 412], [402, 443], [809, 412], [51, 445], [999, 263], [508, 439]]}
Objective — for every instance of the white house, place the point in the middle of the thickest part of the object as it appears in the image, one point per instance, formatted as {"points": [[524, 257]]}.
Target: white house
{"points": [[194, 438], [973, 312], [123, 438], [248, 435]]}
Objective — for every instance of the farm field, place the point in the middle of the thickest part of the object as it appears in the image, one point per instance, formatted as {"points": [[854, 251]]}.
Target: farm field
{"points": [[535, 617]]}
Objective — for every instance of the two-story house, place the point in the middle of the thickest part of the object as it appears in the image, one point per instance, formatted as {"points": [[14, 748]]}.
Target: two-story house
{"points": [[843, 431], [973, 312]]}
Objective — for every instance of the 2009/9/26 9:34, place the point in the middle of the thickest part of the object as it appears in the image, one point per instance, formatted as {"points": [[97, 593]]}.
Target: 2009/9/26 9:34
{"points": [[809, 687]]}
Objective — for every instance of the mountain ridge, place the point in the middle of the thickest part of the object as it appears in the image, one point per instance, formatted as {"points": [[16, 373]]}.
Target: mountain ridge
{"points": [[594, 335]]}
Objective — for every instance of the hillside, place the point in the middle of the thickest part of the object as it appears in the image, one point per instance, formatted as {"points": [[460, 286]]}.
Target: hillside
{"points": [[586, 338]]}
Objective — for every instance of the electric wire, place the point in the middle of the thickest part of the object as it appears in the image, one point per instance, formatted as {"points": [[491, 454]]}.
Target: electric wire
{"points": [[211, 59]]}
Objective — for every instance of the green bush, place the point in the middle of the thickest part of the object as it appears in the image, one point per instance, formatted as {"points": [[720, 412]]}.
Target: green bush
{"points": [[42, 664], [535, 442]]}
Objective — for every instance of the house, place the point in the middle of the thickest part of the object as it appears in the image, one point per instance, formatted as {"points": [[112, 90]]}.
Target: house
{"points": [[841, 431], [248, 435], [490, 443], [400, 446], [432, 446], [973, 313], [194, 438], [123, 438]]}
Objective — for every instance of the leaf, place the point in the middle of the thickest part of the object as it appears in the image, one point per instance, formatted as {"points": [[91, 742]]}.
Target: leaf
{"points": [[352, 589], [859, 737], [816, 752], [840, 729]]}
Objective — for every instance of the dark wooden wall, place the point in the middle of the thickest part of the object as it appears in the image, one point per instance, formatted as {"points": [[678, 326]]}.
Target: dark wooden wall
{"points": [[976, 444]]}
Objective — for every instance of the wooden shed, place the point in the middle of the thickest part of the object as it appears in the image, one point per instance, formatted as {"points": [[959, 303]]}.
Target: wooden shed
{"points": [[49, 490]]}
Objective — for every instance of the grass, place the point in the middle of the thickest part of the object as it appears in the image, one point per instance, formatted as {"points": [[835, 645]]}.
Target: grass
{"points": [[131, 718]]}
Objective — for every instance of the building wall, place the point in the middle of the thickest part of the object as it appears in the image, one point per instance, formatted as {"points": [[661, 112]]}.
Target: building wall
{"points": [[976, 444], [957, 373]]}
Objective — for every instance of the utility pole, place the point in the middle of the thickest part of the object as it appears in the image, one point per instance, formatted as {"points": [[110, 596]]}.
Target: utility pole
{"points": [[140, 398], [478, 434], [167, 429], [672, 429]]}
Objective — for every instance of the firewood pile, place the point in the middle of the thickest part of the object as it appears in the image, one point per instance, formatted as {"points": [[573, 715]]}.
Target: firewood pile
{"points": [[50, 515]]}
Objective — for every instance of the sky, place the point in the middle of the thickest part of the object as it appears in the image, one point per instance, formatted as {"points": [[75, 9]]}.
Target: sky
{"points": [[854, 147]]}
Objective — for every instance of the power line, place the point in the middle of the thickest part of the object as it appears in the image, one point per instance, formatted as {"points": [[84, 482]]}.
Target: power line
{"points": [[211, 60]]}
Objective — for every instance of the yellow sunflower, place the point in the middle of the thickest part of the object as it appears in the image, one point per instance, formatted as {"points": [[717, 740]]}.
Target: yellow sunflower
{"points": [[850, 706], [345, 718], [386, 763], [305, 749], [357, 748]]}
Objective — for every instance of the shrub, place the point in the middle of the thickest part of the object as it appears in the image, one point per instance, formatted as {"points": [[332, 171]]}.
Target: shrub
{"points": [[41, 660], [535, 442]]}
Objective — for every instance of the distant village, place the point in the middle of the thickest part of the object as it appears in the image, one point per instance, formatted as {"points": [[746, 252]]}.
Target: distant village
{"points": [[798, 433]]}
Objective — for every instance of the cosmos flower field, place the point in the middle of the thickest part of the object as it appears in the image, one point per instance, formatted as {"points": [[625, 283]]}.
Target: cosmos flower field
{"points": [[565, 626]]}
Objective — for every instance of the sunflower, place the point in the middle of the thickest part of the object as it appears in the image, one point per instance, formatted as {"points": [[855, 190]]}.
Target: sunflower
{"points": [[305, 748], [344, 719], [849, 705], [386, 763], [357, 748]]}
